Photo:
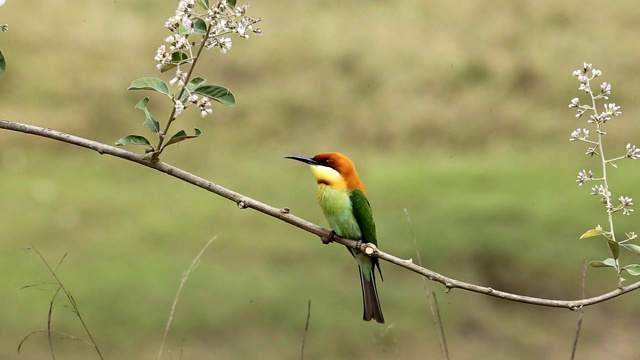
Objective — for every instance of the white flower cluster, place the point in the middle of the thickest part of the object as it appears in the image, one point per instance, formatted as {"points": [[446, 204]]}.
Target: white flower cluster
{"points": [[600, 190], [220, 20], [585, 75], [215, 26], [579, 134], [632, 152], [625, 204], [584, 176]]}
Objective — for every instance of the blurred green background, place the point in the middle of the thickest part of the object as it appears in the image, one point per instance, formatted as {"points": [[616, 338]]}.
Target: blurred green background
{"points": [[455, 111]]}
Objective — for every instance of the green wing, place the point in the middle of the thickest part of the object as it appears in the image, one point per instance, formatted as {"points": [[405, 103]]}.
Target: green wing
{"points": [[364, 217]]}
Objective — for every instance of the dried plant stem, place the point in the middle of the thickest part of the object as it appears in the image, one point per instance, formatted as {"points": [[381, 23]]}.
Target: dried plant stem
{"points": [[431, 297], [183, 280], [74, 307], [306, 330], [581, 311]]}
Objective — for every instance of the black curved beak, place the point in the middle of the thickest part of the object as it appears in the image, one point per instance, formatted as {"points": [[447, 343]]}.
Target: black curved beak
{"points": [[304, 159]]}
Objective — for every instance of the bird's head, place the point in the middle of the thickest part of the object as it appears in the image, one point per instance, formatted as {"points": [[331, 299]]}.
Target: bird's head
{"points": [[332, 168]]}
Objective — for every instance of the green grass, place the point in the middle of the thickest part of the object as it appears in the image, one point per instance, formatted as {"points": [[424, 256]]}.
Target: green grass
{"points": [[456, 112], [505, 227]]}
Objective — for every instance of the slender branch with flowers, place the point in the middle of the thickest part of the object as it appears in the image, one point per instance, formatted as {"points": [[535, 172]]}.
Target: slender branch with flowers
{"points": [[597, 122], [214, 28]]}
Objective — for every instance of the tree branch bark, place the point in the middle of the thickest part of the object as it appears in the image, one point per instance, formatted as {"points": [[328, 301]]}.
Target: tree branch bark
{"points": [[283, 214]]}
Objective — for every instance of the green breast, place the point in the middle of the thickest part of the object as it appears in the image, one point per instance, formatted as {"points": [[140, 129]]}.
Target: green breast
{"points": [[338, 210]]}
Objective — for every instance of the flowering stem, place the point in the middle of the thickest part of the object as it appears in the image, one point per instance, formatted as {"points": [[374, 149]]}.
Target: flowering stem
{"points": [[173, 114], [607, 194]]}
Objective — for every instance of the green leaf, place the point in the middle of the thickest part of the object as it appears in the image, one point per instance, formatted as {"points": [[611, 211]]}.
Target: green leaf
{"points": [[167, 67], [195, 82], [614, 247], [217, 93], [606, 263], [231, 3], [200, 26], [632, 269], [204, 4], [3, 63], [133, 140], [593, 232], [142, 104], [149, 83], [632, 247], [181, 136], [150, 123], [176, 58], [191, 86]]}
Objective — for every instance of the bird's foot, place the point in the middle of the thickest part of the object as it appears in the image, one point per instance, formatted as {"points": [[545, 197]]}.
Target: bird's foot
{"points": [[358, 245], [329, 238]]}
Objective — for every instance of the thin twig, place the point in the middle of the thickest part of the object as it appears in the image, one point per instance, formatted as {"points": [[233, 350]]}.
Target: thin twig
{"points": [[431, 297], [581, 311], [49, 315], [306, 330], [183, 280], [283, 214], [71, 300], [61, 336]]}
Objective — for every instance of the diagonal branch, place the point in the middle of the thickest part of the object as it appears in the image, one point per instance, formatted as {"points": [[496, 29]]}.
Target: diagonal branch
{"points": [[283, 214]]}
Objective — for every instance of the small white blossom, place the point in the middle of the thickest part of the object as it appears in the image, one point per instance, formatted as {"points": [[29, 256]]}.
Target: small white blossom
{"points": [[612, 109], [600, 190], [185, 7], [579, 134], [584, 176], [626, 201], [193, 98], [605, 89], [575, 102], [180, 77], [632, 152], [625, 204], [204, 104], [223, 43], [591, 151], [596, 72], [179, 106], [173, 23], [162, 57], [599, 119], [178, 42], [187, 24]]}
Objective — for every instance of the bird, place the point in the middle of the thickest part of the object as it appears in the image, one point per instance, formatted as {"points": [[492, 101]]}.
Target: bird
{"points": [[344, 203]]}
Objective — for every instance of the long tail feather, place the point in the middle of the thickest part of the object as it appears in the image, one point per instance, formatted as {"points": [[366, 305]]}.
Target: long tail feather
{"points": [[372, 309]]}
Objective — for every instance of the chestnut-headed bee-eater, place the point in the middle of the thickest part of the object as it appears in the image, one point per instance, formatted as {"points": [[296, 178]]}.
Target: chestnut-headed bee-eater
{"points": [[343, 200]]}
